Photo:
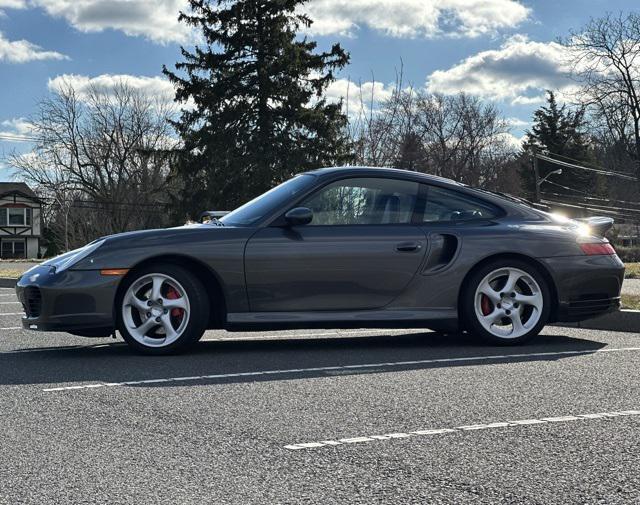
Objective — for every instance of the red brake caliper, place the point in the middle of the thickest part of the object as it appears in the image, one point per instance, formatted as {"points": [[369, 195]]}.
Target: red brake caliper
{"points": [[172, 294], [485, 305]]}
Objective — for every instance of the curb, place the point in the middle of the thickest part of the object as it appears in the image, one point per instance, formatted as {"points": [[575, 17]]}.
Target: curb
{"points": [[622, 320], [7, 283]]}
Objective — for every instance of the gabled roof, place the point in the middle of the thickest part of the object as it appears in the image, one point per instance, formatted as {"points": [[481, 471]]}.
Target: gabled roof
{"points": [[16, 187]]}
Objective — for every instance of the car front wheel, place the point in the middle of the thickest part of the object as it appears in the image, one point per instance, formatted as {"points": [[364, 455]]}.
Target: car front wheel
{"points": [[163, 309], [506, 302]]}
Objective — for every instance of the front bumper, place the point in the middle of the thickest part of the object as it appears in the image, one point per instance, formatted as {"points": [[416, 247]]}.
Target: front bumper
{"points": [[587, 286], [74, 301]]}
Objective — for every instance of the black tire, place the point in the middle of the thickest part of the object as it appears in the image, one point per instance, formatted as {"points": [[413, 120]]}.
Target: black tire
{"points": [[199, 309], [470, 319]]}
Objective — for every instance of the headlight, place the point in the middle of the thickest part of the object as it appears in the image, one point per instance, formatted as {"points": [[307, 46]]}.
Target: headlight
{"points": [[67, 260]]}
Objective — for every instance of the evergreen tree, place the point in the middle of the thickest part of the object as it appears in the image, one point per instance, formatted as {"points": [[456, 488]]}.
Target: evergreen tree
{"points": [[558, 132], [258, 114]]}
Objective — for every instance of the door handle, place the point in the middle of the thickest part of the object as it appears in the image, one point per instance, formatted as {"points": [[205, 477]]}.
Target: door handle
{"points": [[408, 246]]}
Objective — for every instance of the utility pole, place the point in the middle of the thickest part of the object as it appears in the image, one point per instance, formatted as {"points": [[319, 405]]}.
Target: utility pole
{"points": [[536, 174], [66, 208]]}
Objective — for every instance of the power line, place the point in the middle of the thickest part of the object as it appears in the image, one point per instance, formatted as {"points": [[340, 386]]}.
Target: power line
{"points": [[633, 218], [589, 197], [15, 138], [609, 207], [96, 204], [589, 165], [566, 187], [579, 167]]}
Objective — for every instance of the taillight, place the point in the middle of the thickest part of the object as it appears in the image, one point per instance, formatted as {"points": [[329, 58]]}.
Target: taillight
{"points": [[597, 249]]}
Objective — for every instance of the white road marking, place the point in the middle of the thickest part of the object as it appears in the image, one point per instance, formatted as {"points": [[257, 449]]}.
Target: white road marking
{"points": [[12, 328], [11, 313], [459, 429], [9, 303], [396, 364]]}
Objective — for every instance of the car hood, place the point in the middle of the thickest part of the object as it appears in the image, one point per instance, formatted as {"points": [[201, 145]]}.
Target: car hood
{"points": [[199, 240]]}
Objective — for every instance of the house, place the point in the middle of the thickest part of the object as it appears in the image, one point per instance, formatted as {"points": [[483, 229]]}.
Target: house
{"points": [[20, 221]]}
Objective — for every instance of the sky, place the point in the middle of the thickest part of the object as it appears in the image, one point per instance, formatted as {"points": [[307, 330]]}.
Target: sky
{"points": [[504, 51]]}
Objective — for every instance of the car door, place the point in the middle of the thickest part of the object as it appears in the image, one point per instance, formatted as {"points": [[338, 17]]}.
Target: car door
{"points": [[359, 252]]}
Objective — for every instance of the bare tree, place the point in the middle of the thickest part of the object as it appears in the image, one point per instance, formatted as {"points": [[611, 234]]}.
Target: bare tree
{"points": [[100, 161], [376, 129], [451, 136], [606, 62]]}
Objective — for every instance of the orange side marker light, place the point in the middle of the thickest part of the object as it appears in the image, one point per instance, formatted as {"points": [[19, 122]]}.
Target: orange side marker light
{"points": [[114, 271]]}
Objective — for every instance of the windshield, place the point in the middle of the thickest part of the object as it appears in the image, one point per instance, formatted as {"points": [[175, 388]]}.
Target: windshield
{"points": [[252, 212]]}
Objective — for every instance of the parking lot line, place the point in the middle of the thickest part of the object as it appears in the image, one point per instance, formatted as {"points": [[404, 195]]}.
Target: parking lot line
{"points": [[293, 371], [10, 303], [11, 314], [458, 429]]}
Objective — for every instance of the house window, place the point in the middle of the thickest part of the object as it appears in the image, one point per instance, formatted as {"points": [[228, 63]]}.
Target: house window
{"points": [[16, 216], [13, 248]]}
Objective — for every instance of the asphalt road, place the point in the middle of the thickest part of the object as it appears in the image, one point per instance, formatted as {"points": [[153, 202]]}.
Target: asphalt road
{"points": [[316, 417]]}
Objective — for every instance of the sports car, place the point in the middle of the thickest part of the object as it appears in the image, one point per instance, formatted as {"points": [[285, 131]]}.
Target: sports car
{"points": [[336, 248]]}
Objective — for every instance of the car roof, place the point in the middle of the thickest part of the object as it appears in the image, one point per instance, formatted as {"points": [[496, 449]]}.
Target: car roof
{"points": [[384, 172], [501, 201]]}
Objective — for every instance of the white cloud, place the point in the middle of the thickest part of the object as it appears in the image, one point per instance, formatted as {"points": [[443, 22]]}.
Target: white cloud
{"points": [[22, 51], [18, 129], [11, 4], [516, 122], [156, 20], [519, 71], [529, 100], [416, 18], [358, 97], [156, 87], [513, 142]]}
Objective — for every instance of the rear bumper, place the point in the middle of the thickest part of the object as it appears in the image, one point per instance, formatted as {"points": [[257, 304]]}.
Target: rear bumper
{"points": [[79, 302], [586, 309], [587, 286]]}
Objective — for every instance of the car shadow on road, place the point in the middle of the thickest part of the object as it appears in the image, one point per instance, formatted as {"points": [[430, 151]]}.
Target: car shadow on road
{"points": [[378, 353]]}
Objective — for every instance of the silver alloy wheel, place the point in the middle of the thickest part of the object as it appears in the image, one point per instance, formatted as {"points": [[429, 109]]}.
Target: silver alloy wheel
{"points": [[508, 302], [156, 310]]}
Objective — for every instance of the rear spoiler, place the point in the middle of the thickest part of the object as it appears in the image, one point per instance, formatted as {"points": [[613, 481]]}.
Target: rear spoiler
{"points": [[599, 225]]}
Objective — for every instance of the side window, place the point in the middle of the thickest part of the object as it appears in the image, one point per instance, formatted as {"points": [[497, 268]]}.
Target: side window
{"points": [[445, 205], [363, 201]]}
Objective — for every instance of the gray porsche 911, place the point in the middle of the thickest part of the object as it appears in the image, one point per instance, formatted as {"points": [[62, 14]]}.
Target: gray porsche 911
{"points": [[336, 248]]}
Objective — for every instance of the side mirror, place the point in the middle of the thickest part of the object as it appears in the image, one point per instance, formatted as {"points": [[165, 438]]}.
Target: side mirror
{"points": [[299, 216]]}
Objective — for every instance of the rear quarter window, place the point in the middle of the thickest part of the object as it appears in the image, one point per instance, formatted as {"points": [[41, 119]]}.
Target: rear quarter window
{"points": [[448, 206]]}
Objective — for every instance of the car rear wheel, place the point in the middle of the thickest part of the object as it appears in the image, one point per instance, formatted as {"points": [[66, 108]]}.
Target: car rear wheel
{"points": [[506, 302], [163, 309]]}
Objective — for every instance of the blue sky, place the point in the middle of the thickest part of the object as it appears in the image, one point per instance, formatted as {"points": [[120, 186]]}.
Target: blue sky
{"points": [[500, 50]]}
